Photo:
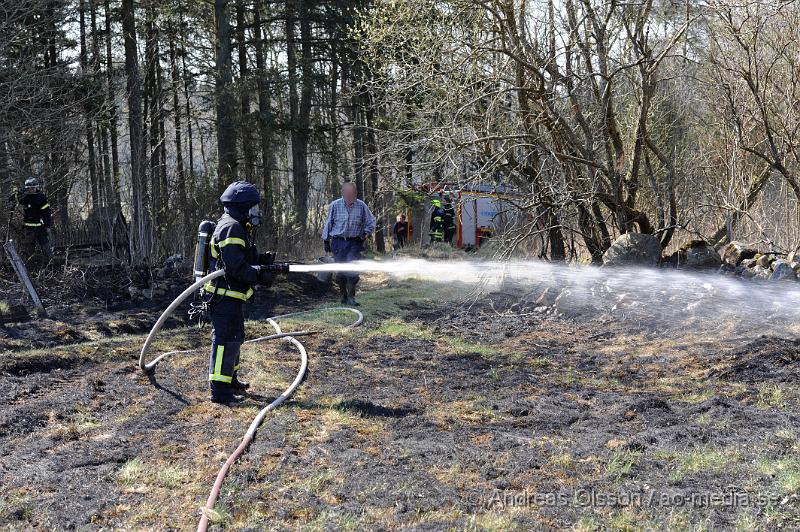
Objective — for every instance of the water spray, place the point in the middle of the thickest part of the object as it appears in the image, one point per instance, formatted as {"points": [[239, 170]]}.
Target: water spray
{"points": [[662, 297]]}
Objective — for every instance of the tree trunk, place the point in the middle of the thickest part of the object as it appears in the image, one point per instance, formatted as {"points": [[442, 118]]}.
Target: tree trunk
{"points": [[265, 131], [187, 80], [723, 235], [89, 110], [111, 106], [372, 154], [299, 104], [5, 181], [151, 118], [225, 108], [332, 179], [248, 156], [105, 175], [358, 144], [176, 113], [140, 235]]}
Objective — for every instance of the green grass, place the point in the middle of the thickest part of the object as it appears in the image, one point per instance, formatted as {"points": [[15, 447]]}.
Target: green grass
{"points": [[626, 521], [217, 515], [539, 362], [414, 330], [395, 301], [332, 520], [745, 522], [622, 462], [18, 504], [785, 471], [80, 422], [770, 396], [396, 328], [697, 397], [136, 473], [131, 471], [563, 460], [317, 483], [697, 462], [489, 521], [461, 347], [586, 524]]}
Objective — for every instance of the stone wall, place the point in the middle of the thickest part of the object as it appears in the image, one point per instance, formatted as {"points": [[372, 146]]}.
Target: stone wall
{"points": [[748, 262]]}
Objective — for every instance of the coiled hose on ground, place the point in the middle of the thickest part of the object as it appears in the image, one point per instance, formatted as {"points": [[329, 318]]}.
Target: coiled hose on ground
{"points": [[149, 368]]}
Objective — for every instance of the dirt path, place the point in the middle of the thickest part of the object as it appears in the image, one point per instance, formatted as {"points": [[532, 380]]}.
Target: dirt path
{"points": [[434, 415]]}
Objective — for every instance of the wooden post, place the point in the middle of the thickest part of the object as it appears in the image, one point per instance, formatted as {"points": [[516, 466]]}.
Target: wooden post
{"points": [[22, 273]]}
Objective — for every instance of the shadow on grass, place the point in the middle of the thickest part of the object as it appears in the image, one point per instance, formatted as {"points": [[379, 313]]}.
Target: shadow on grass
{"points": [[160, 387], [358, 407]]}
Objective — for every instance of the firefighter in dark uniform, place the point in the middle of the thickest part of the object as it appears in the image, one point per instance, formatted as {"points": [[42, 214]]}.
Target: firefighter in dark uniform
{"points": [[233, 251], [437, 221], [449, 221], [37, 219]]}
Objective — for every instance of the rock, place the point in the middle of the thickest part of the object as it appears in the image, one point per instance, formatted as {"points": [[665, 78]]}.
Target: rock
{"points": [[135, 293], [159, 290], [748, 263], [548, 297], [700, 255], [736, 252], [761, 272], [727, 269], [764, 261], [568, 303], [562, 303], [633, 249], [781, 271], [746, 273], [675, 260], [795, 266]]}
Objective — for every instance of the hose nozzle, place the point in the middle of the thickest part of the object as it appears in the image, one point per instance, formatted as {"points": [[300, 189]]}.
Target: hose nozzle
{"points": [[277, 267]]}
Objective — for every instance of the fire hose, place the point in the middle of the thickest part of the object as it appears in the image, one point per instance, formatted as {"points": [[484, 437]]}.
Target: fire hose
{"points": [[149, 368]]}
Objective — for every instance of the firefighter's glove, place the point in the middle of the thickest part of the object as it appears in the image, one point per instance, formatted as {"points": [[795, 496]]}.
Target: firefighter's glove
{"points": [[265, 259]]}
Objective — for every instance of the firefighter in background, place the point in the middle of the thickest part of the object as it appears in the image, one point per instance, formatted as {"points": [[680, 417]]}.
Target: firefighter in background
{"points": [[402, 230], [232, 250], [449, 221], [37, 219], [437, 221]]}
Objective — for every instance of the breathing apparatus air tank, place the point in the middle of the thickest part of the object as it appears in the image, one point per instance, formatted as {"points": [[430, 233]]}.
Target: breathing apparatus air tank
{"points": [[203, 250]]}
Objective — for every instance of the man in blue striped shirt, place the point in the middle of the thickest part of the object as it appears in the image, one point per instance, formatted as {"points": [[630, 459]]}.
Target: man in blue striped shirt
{"points": [[349, 224]]}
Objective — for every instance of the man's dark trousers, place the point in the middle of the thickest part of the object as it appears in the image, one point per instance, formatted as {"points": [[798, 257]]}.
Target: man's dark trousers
{"points": [[37, 238], [346, 250], [226, 342]]}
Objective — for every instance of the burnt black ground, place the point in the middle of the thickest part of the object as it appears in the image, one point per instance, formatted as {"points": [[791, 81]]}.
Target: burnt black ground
{"points": [[88, 311], [447, 414]]}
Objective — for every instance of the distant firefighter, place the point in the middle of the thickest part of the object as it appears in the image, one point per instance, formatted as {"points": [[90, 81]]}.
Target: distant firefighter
{"points": [[449, 222], [437, 221], [37, 219], [402, 231]]}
